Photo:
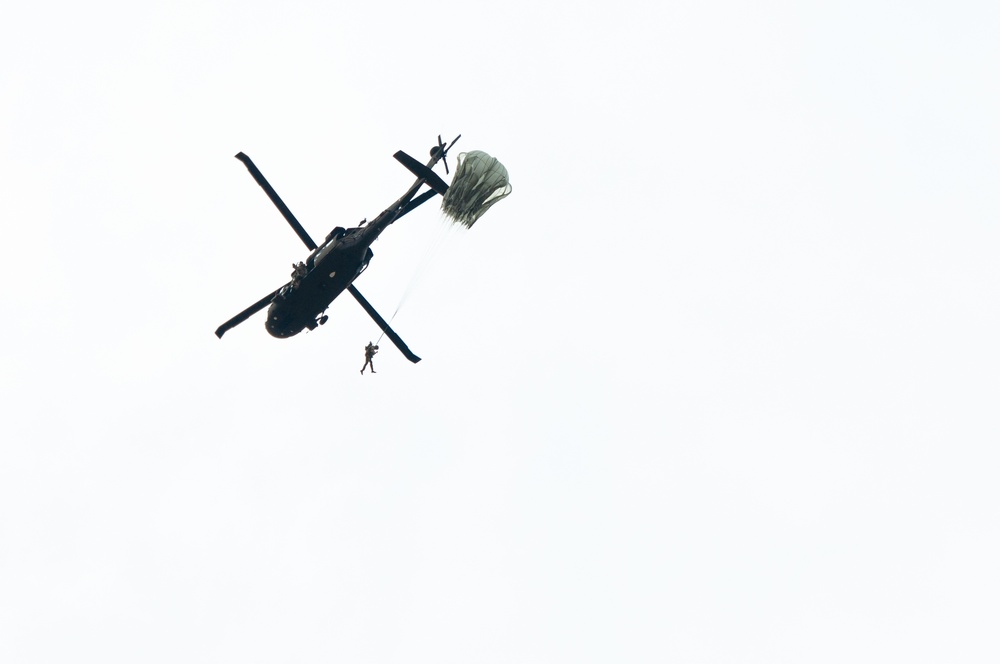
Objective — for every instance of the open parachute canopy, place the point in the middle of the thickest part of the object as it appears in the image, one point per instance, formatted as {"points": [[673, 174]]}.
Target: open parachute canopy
{"points": [[479, 182]]}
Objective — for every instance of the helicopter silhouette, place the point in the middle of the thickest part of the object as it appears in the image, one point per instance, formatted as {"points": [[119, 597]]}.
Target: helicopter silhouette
{"points": [[332, 267]]}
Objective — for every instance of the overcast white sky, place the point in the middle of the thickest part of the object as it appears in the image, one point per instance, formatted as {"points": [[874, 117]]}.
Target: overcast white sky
{"points": [[718, 382]]}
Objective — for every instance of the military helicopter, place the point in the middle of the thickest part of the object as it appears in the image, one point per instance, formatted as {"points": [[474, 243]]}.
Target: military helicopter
{"points": [[332, 267]]}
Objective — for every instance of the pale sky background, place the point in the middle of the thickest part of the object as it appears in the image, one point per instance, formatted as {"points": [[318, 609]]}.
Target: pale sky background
{"points": [[718, 382]]}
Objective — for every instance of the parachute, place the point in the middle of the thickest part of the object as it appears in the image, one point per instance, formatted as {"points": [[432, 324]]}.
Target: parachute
{"points": [[479, 182]]}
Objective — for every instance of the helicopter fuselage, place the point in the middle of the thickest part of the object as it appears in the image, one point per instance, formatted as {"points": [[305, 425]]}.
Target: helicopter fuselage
{"points": [[327, 272]]}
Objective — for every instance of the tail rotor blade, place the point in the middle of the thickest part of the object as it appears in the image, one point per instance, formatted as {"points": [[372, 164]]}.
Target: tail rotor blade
{"points": [[444, 154]]}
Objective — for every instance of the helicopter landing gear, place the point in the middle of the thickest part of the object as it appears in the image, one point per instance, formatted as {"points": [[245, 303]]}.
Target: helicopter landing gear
{"points": [[322, 319]]}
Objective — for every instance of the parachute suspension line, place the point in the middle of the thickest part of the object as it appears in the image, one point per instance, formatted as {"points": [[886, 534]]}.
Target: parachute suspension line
{"points": [[480, 181], [437, 242]]}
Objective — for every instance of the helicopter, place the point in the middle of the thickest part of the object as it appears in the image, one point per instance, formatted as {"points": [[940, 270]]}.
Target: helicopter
{"points": [[332, 266]]}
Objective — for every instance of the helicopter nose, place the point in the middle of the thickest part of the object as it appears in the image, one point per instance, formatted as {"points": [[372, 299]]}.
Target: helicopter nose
{"points": [[279, 323]]}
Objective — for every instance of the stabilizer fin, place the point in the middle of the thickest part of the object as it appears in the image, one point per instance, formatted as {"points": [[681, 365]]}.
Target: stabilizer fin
{"points": [[423, 172]]}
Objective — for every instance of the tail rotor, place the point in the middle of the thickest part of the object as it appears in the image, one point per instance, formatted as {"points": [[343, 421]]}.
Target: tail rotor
{"points": [[443, 151]]}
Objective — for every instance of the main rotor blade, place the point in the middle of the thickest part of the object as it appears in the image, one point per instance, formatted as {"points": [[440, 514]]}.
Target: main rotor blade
{"points": [[407, 353], [278, 203], [246, 313]]}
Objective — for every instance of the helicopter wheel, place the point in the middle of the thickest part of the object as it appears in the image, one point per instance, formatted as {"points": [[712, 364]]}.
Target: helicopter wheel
{"points": [[322, 319]]}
